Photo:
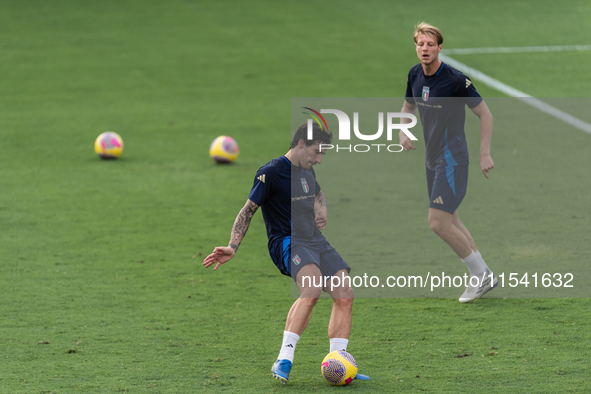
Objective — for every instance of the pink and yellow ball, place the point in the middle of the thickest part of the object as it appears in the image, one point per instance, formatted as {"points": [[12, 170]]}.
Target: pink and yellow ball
{"points": [[224, 149], [339, 368], [108, 145]]}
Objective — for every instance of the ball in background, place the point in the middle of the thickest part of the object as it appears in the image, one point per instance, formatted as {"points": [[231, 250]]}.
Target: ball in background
{"points": [[108, 145], [339, 368], [224, 149]]}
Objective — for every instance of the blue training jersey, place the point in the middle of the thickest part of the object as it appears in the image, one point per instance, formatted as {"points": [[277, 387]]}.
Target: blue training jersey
{"points": [[286, 195], [441, 99]]}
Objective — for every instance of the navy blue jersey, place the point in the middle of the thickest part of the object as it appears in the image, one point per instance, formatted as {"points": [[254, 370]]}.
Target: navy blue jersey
{"points": [[286, 196], [441, 99]]}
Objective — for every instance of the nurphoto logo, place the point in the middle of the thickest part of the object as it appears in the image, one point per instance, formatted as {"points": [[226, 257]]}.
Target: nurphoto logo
{"points": [[344, 133]]}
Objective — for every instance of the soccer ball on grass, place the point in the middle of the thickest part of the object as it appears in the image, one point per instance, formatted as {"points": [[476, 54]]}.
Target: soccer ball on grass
{"points": [[108, 145], [339, 368], [224, 149]]}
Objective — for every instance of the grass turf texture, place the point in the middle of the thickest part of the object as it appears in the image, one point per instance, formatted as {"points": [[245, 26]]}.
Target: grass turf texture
{"points": [[99, 258]]}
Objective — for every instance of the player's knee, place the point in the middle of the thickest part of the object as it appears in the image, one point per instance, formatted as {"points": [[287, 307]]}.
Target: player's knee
{"points": [[311, 294], [439, 227], [345, 293], [344, 303], [340, 286]]}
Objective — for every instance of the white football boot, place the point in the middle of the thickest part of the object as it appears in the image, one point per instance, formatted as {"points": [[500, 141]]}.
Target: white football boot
{"points": [[474, 292]]}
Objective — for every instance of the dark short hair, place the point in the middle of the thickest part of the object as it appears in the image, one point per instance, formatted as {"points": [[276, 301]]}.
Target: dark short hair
{"points": [[319, 135]]}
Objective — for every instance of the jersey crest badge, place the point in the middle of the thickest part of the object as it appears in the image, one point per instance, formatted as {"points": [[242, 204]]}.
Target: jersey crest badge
{"points": [[305, 185], [296, 260], [425, 93]]}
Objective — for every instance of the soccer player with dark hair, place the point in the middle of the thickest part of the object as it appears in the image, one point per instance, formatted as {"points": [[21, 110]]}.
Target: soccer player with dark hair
{"points": [[294, 211], [441, 94]]}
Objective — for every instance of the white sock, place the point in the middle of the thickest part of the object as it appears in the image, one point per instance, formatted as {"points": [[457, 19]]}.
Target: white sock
{"points": [[338, 344], [476, 266], [481, 259], [290, 341]]}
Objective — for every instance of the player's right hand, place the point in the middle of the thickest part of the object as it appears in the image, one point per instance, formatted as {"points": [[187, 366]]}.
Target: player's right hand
{"points": [[220, 255], [405, 142]]}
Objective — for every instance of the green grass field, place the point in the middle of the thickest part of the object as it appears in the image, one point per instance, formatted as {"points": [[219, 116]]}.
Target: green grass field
{"points": [[101, 284]]}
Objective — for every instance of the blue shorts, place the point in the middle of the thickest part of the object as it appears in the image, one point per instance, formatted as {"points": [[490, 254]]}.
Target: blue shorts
{"points": [[290, 257], [447, 186]]}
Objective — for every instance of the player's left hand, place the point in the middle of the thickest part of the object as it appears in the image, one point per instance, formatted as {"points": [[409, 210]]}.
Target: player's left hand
{"points": [[405, 142], [220, 255], [321, 219], [486, 164]]}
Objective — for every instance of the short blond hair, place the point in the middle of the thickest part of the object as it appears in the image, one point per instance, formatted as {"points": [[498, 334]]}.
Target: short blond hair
{"points": [[429, 30]]}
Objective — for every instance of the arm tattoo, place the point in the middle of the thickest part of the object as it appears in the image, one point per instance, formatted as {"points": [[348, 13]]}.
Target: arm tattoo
{"points": [[321, 199], [241, 224]]}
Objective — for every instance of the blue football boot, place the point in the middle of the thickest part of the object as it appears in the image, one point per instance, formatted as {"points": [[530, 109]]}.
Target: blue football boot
{"points": [[281, 370], [361, 376]]}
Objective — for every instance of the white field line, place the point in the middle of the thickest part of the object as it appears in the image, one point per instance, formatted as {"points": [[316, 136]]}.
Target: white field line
{"points": [[557, 48], [508, 90]]}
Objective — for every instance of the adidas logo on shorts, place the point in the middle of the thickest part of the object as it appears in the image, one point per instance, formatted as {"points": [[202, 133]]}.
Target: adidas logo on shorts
{"points": [[438, 200]]}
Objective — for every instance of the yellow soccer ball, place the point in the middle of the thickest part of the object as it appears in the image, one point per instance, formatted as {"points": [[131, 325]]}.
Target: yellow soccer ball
{"points": [[339, 368], [108, 145], [224, 149]]}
